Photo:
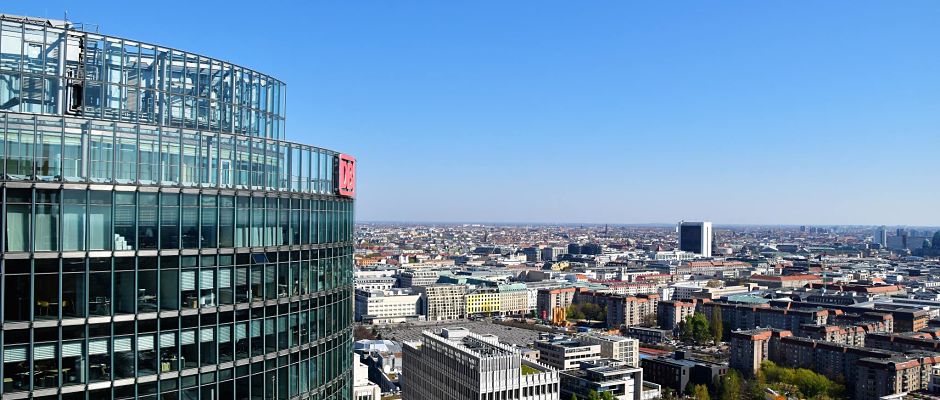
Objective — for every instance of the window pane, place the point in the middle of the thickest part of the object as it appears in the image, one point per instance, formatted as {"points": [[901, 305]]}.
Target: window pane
{"points": [[47, 220], [147, 220], [124, 220], [72, 159], [190, 223], [226, 221], [209, 221], [18, 219], [100, 152], [49, 150], [99, 220], [126, 163], [73, 220], [169, 221], [149, 164]]}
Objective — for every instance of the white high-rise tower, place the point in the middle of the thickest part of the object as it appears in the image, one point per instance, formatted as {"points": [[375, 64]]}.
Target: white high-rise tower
{"points": [[696, 237]]}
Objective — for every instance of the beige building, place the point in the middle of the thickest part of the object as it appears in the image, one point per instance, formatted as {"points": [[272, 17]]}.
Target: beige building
{"points": [[616, 347], [442, 302]]}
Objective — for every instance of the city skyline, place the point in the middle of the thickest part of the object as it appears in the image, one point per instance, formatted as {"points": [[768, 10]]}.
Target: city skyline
{"points": [[731, 112]]}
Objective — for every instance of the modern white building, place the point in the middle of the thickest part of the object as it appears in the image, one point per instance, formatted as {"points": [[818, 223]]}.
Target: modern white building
{"points": [[563, 352], [443, 302], [412, 278], [671, 255], [616, 347], [374, 282], [684, 290], [387, 306], [696, 237], [363, 389], [455, 364], [600, 376]]}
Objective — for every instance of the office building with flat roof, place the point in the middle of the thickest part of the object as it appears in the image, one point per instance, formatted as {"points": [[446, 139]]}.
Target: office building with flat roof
{"points": [[456, 364], [696, 237]]}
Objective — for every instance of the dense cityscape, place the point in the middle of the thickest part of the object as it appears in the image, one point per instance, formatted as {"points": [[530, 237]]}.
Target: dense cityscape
{"points": [[165, 236], [485, 311]]}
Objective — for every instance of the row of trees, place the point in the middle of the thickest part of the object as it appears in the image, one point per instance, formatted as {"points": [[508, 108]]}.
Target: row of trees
{"points": [[798, 383], [589, 311], [702, 330]]}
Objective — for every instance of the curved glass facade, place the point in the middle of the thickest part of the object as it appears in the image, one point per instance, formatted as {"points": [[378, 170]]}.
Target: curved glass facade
{"points": [[161, 239]]}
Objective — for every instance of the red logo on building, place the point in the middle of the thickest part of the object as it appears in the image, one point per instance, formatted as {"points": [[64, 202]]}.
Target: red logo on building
{"points": [[346, 175]]}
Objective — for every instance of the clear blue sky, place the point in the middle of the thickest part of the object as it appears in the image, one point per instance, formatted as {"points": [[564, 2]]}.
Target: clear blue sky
{"points": [[790, 112]]}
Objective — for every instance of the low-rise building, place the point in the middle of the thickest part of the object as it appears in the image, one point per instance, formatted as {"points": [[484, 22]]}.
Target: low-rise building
{"points": [[550, 300], [749, 349], [562, 352], [649, 335], [670, 313], [386, 306], [616, 347], [623, 382], [785, 281], [363, 389], [678, 371], [417, 277], [455, 364], [442, 302], [482, 301]]}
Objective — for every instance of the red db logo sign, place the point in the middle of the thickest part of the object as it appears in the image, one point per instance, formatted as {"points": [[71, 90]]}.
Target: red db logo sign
{"points": [[346, 175]]}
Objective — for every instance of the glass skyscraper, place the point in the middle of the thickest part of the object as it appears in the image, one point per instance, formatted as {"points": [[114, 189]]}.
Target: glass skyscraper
{"points": [[161, 238]]}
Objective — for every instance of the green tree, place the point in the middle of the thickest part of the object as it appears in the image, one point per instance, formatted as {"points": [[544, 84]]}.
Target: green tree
{"points": [[701, 332], [667, 394], [574, 397], [730, 386], [592, 395], [700, 392], [607, 396], [574, 312], [717, 326], [801, 380]]}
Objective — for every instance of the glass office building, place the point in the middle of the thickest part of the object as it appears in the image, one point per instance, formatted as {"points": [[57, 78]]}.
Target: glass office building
{"points": [[161, 239]]}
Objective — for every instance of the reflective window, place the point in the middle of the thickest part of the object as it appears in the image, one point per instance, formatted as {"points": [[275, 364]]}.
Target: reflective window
{"points": [[226, 221], [149, 152], [72, 159], [48, 150], [125, 231], [209, 225], [169, 221], [17, 221], [190, 158], [73, 220], [126, 155], [19, 160], [100, 152], [147, 224], [47, 220], [170, 156], [99, 220], [190, 221]]}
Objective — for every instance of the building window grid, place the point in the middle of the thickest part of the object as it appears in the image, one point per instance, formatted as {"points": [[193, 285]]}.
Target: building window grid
{"points": [[332, 306], [319, 172], [180, 161]]}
